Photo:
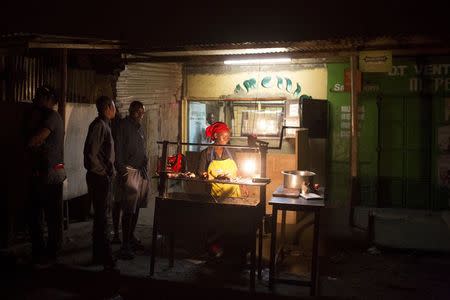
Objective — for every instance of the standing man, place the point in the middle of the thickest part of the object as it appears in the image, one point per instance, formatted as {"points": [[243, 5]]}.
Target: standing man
{"points": [[132, 181], [46, 137], [99, 163]]}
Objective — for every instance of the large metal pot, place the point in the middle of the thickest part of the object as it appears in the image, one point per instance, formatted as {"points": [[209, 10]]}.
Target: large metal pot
{"points": [[294, 179]]}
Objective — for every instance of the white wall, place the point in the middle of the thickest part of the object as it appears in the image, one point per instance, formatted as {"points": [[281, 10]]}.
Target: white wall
{"points": [[78, 118]]}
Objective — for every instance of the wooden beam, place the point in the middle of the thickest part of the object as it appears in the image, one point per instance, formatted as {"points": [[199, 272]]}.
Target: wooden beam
{"points": [[202, 59], [62, 112], [354, 117], [63, 87], [72, 46]]}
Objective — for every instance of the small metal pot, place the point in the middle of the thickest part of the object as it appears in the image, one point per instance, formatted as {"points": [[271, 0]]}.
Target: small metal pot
{"points": [[294, 179]]}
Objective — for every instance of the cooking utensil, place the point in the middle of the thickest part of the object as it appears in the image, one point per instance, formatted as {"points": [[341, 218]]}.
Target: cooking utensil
{"points": [[295, 179]]}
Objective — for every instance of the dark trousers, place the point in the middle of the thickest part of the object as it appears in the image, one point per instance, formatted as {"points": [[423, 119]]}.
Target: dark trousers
{"points": [[129, 222], [99, 191], [47, 199]]}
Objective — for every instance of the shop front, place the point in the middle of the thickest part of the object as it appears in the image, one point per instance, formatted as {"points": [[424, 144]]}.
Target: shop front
{"points": [[403, 117], [257, 100], [382, 146]]}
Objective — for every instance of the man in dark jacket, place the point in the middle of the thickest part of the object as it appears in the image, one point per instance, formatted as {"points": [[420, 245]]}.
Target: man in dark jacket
{"points": [[45, 130], [132, 180], [99, 163]]}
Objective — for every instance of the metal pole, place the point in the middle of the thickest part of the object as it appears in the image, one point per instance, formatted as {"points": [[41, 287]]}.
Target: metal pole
{"points": [[162, 176], [154, 239], [180, 106], [283, 128], [273, 240], [208, 145], [315, 254], [263, 151], [262, 195], [252, 267]]}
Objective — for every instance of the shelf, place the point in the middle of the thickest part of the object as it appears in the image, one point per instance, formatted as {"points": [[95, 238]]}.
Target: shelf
{"points": [[209, 200]]}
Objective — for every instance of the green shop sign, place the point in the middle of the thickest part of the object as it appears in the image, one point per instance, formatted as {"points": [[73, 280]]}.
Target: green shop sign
{"points": [[409, 77], [405, 76]]}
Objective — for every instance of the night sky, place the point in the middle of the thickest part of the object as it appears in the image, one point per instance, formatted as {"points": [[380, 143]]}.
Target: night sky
{"points": [[190, 22]]}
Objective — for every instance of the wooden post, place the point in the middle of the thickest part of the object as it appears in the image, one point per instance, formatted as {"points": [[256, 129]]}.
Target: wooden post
{"points": [[63, 87], [354, 135], [62, 112]]}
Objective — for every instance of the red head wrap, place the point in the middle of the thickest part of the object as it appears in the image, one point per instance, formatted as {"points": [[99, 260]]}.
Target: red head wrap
{"points": [[217, 127]]}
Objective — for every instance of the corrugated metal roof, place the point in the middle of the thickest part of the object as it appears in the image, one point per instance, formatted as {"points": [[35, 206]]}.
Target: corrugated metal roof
{"points": [[150, 83], [32, 40], [311, 46], [242, 51], [334, 45], [26, 74]]}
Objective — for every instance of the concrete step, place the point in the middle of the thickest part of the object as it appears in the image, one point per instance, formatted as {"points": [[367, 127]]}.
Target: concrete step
{"points": [[407, 228]]}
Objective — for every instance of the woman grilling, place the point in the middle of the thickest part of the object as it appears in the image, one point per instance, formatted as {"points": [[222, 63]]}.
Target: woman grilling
{"points": [[218, 163]]}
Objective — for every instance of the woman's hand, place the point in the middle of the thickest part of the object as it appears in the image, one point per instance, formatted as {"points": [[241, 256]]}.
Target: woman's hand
{"points": [[204, 175]]}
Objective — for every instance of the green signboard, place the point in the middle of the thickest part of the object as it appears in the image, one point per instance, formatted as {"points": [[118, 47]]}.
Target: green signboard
{"points": [[401, 116]]}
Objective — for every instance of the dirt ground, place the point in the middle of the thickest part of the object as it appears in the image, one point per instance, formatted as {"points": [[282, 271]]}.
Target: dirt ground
{"points": [[348, 270]]}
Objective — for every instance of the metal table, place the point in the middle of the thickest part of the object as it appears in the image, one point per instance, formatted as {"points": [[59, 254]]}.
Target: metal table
{"points": [[295, 204], [176, 213]]}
